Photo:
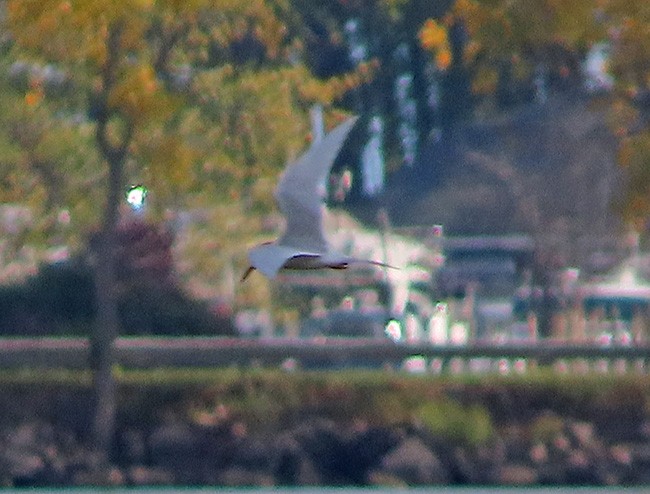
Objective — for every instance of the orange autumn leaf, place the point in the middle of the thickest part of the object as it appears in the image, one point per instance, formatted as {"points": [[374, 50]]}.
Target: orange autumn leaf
{"points": [[33, 97]]}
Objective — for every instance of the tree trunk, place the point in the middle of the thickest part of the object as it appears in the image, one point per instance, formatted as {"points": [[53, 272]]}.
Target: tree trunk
{"points": [[107, 323], [102, 352]]}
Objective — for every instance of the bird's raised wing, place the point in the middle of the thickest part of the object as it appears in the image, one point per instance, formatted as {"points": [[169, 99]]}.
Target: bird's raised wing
{"points": [[301, 190]]}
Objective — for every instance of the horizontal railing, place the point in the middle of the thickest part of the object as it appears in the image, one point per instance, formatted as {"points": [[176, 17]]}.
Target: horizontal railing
{"points": [[143, 353]]}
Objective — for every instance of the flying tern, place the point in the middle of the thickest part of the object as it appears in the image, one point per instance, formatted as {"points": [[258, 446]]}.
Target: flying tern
{"points": [[300, 194]]}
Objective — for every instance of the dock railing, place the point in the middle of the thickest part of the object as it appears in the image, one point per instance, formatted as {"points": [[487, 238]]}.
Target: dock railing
{"points": [[158, 352]]}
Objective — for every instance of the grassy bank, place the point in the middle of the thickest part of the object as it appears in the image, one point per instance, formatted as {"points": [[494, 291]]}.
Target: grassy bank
{"points": [[466, 407]]}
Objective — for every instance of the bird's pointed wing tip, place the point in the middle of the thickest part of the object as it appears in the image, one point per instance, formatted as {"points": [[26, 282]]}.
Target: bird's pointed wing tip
{"points": [[384, 265]]}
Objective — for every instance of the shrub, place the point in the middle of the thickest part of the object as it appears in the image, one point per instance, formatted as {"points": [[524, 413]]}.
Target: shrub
{"points": [[60, 301], [468, 425], [546, 427], [61, 295]]}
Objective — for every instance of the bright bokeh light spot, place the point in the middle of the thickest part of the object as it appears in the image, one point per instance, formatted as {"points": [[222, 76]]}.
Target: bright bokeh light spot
{"points": [[136, 196], [394, 330], [436, 365], [456, 366], [415, 364], [520, 365], [64, 217]]}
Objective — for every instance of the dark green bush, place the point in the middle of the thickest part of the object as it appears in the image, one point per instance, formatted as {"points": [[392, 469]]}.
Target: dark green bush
{"points": [[60, 301], [148, 309], [62, 296]]}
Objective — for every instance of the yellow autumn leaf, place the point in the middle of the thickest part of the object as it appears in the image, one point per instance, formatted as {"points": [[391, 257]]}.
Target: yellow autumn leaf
{"points": [[432, 35], [139, 95]]}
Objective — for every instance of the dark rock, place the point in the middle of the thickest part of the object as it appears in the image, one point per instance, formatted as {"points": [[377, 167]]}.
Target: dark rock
{"points": [[481, 464], [641, 455], [196, 455], [467, 471], [572, 450], [366, 449], [513, 474], [582, 470], [236, 476], [105, 477], [414, 463], [24, 468], [444, 450], [254, 454], [324, 444], [619, 414], [33, 454], [173, 444], [553, 473], [131, 447], [293, 466], [144, 476]]}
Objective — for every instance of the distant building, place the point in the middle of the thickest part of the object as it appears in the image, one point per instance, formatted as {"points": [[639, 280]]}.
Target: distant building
{"points": [[487, 270], [617, 306], [491, 265]]}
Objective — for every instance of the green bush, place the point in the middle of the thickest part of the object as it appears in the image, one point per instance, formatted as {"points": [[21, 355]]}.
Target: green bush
{"points": [[57, 300], [60, 301], [62, 296], [268, 400], [546, 427], [468, 425]]}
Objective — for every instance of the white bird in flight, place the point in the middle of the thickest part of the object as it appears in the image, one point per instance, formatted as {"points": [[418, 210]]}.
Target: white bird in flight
{"points": [[300, 194]]}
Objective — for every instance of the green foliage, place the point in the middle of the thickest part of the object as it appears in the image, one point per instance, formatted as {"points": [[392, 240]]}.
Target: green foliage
{"points": [[469, 425], [59, 299], [634, 157], [206, 100], [151, 309], [61, 295], [509, 41], [268, 400], [203, 101], [14, 301], [546, 427], [47, 160]]}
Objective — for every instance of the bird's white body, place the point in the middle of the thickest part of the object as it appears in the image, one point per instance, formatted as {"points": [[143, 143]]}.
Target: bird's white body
{"points": [[300, 194], [270, 258]]}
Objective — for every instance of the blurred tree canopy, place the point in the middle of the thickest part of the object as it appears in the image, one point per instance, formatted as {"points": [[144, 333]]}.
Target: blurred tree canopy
{"points": [[204, 101], [513, 52]]}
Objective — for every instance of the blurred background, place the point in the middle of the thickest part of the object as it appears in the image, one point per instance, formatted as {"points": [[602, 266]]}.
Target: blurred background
{"points": [[500, 160]]}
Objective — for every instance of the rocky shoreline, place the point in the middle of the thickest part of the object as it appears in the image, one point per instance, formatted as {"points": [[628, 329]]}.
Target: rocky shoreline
{"points": [[319, 451], [271, 428]]}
